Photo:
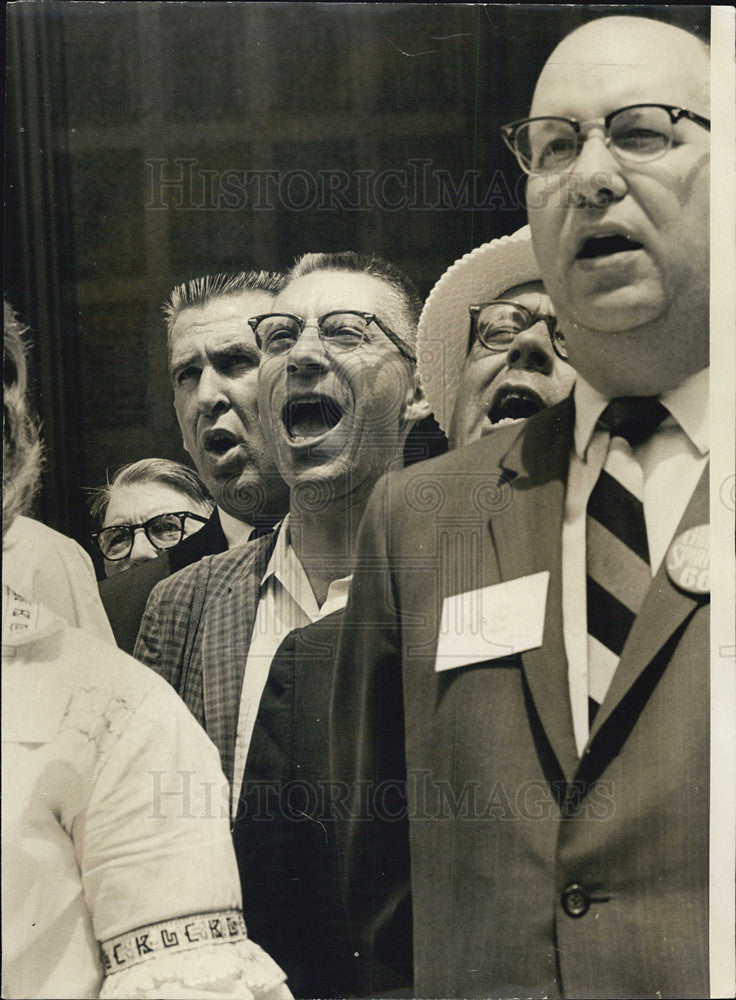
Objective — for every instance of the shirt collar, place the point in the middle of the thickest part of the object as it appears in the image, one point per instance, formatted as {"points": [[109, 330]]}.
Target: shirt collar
{"points": [[285, 567], [236, 532], [280, 552], [687, 404], [589, 404]]}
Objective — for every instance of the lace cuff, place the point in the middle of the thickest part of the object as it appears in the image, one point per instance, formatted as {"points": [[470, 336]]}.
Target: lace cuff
{"points": [[204, 955]]}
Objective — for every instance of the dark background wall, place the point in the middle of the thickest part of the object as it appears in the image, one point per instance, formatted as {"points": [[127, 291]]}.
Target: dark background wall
{"points": [[150, 142]]}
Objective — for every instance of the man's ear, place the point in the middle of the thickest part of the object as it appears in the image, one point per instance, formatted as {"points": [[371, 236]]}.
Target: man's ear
{"points": [[417, 406]]}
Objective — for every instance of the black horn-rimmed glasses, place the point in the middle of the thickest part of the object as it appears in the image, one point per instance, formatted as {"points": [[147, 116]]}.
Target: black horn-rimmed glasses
{"points": [[163, 531]]}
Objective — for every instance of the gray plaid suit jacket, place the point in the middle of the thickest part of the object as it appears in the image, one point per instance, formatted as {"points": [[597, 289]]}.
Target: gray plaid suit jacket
{"points": [[205, 613]]}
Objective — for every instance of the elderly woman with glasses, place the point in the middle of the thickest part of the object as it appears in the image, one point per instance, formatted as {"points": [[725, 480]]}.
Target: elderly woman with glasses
{"points": [[149, 506]]}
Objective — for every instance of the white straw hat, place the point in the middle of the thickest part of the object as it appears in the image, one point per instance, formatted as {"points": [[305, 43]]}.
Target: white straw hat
{"points": [[442, 339]]}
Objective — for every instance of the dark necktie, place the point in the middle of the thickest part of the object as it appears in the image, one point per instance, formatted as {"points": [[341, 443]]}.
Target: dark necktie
{"points": [[617, 552]]}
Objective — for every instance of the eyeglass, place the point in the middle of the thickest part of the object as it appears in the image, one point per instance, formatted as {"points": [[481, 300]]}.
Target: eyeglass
{"points": [[162, 531], [340, 331], [635, 134], [496, 324]]}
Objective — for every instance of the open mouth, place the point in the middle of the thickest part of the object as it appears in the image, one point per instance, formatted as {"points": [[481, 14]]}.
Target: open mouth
{"points": [[310, 418], [219, 442], [514, 403], [605, 246]]}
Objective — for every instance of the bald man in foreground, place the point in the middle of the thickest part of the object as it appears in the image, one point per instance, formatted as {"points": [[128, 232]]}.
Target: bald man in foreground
{"points": [[528, 644]]}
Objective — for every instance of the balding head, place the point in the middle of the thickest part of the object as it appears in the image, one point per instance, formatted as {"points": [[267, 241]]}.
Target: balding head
{"points": [[622, 245], [644, 54]]}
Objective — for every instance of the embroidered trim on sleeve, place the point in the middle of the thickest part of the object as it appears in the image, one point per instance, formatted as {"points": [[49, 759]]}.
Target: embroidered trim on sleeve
{"points": [[170, 936]]}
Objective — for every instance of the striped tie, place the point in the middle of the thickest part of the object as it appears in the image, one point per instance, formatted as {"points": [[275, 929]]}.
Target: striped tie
{"points": [[617, 553]]}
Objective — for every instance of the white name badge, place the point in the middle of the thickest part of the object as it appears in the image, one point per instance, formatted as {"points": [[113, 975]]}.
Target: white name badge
{"points": [[493, 622]]}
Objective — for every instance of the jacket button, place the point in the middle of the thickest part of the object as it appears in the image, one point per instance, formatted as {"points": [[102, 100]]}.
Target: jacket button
{"points": [[575, 900]]}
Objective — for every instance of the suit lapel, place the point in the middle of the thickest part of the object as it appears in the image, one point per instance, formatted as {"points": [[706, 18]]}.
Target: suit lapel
{"points": [[528, 539], [664, 609], [229, 617]]}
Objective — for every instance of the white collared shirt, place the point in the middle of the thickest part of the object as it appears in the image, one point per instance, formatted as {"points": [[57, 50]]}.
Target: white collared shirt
{"points": [[286, 602], [236, 532], [672, 460]]}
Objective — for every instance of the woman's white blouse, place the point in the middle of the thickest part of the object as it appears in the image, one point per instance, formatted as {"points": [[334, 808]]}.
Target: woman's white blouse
{"points": [[115, 818], [48, 568]]}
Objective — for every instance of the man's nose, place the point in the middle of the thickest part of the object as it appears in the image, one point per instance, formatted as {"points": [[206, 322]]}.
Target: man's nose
{"points": [[211, 395], [531, 350], [596, 178], [142, 548], [308, 355]]}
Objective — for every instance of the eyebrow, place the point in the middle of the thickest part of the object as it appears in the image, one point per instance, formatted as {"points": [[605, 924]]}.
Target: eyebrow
{"points": [[178, 364], [237, 351], [537, 313], [234, 352]]}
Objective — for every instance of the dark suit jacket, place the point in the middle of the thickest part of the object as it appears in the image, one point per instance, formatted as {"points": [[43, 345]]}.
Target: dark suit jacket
{"points": [[196, 633], [503, 816], [284, 832], [124, 596]]}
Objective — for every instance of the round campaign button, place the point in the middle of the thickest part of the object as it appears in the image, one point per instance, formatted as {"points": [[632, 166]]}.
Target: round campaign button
{"points": [[688, 560]]}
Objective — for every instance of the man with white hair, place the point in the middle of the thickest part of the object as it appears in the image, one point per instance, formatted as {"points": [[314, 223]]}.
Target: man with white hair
{"points": [[489, 348], [527, 650]]}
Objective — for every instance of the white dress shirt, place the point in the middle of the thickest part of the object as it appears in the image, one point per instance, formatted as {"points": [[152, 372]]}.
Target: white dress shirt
{"points": [[672, 460], [286, 602]]}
